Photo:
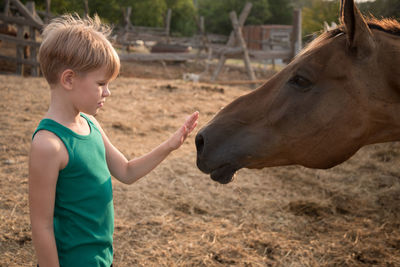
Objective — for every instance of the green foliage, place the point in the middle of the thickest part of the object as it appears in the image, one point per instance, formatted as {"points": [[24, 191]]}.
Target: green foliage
{"points": [[281, 12], [144, 12], [316, 12], [216, 13], [61, 6], [147, 12], [382, 8], [183, 18]]}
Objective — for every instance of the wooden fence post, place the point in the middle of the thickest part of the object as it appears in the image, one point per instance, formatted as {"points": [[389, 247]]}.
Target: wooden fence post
{"points": [[296, 34], [242, 43], [32, 35], [127, 19], [6, 7], [20, 50], [6, 10], [86, 3], [202, 27], [48, 13], [231, 41], [168, 24], [204, 40]]}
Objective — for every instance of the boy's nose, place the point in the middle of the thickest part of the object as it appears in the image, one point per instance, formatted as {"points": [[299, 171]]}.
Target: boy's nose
{"points": [[106, 92]]}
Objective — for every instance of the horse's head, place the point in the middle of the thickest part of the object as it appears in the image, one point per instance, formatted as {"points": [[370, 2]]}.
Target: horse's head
{"points": [[316, 112]]}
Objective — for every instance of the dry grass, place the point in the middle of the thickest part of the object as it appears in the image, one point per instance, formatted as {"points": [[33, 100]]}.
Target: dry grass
{"points": [[177, 216]]}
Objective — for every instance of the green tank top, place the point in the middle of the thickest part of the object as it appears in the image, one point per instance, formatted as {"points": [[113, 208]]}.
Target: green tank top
{"points": [[83, 211]]}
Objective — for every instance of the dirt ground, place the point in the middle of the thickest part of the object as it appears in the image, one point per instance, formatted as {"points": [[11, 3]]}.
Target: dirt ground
{"points": [[177, 216]]}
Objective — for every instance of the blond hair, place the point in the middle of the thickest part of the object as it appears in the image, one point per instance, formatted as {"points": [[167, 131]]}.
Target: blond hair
{"points": [[70, 42]]}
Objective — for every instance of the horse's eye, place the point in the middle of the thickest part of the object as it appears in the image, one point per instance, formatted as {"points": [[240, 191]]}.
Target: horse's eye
{"points": [[301, 83]]}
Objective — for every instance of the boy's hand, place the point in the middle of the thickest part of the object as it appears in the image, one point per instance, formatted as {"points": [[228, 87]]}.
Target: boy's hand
{"points": [[177, 139]]}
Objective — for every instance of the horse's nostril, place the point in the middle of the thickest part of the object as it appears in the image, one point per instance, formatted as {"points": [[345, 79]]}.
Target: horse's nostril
{"points": [[199, 144]]}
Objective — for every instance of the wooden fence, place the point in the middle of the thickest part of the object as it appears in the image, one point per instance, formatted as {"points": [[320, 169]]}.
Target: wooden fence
{"points": [[279, 42], [29, 25], [238, 45]]}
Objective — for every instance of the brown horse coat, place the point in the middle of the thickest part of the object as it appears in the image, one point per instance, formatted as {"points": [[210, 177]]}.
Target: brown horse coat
{"points": [[337, 95]]}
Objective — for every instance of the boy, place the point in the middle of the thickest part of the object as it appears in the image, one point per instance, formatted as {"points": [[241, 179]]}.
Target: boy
{"points": [[71, 158]]}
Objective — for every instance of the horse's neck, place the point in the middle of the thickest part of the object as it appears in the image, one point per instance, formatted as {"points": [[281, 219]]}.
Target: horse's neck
{"points": [[389, 58], [385, 100], [384, 92]]}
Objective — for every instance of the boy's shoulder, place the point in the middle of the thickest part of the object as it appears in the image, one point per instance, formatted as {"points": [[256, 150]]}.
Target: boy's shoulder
{"points": [[46, 142], [48, 149]]}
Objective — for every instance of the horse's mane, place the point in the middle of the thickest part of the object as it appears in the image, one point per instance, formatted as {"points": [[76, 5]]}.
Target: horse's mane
{"points": [[387, 25], [390, 26]]}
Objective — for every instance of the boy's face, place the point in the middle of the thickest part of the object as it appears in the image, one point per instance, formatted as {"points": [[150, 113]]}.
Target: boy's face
{"points": [[90, 91]]}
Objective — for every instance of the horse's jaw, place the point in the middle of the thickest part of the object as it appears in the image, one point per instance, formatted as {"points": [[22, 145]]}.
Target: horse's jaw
{"points": [[224, 174]]}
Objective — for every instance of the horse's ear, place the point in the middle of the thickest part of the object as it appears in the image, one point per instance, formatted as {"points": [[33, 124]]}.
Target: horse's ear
{"points": [[359, 36]]}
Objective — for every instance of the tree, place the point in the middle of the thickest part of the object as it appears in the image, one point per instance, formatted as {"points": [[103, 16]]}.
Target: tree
{"points": [[109, 11], [316, 12], [183, 19], [61, 6], [216, 13], [281, 12], [147, 12], [382, 8], [144, 12]]}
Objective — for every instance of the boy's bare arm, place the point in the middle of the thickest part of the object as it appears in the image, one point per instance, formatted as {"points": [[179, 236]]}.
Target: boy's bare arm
{"points": [[47, 157], [130, 171]]}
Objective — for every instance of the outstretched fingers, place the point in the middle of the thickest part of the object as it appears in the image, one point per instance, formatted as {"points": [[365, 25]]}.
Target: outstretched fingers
{"points": [[191, 122], [193, 126]]}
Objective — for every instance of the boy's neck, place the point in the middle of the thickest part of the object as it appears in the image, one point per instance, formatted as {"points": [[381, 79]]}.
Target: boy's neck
{"points": [[61, 109]]}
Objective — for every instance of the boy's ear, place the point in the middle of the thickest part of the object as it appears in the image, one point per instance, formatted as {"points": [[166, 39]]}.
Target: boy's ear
{"points": [[67, 79]]}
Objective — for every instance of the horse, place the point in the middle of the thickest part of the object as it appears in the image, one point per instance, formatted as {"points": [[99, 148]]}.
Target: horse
{"points": [[340, 93]]}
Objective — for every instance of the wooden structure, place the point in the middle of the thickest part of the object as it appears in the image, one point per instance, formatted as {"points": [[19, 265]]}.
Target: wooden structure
{"points": [[129, 34], [296, 36], [160, 57], [273, 42], [242, 45], [159, 41], [237, 25], [29, 25], [47, 15], [86, 6], [268, 37]]}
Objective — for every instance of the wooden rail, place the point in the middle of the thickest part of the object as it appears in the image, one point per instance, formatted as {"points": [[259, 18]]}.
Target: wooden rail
{"points": [[21, 60], [34, 20], [28, 25], [17, 20], [159, 57], [16, 40]]}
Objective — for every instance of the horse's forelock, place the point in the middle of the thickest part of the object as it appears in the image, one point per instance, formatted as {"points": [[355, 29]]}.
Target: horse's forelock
{"points": [[321, 39]]}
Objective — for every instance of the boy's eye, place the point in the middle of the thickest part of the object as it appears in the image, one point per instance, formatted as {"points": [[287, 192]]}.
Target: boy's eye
{"points": [[102, 84]]}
